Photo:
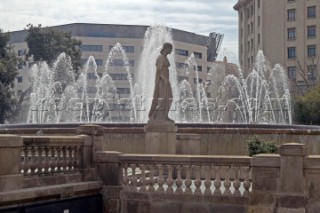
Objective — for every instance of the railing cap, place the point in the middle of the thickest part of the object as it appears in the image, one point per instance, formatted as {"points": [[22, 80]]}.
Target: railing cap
{"points": [[7, 140], [293, 149]]}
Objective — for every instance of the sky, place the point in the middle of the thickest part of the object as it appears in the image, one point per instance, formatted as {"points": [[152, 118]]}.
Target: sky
{"points": [[197, 16]]}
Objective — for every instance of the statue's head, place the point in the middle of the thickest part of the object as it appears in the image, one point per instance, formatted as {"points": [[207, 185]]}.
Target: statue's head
{"points": [[167, 48]]}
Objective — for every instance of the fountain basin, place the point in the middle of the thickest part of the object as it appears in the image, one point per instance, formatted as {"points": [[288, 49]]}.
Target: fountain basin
{"points": [[216, 139]]}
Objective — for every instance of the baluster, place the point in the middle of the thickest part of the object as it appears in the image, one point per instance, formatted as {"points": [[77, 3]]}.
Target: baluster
{"points": [[40, 160], [54, 159], [59, 159], [217, 182], [160, 179], [69, 152], [52, 162], [236, 183], [73, 158], [179, 181], [24, 165], [65, 159], [46, 160], [197, 181], [246, 183], [188, 180], [151, 179], [125, 179], [227, 183], [143, 179], [33, 161], [207, 182], [169, 180], [133, 179]]}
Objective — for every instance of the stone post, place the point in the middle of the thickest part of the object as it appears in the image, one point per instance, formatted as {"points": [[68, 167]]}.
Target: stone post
{"points": [[292, 194], [265, 170], [10, 162], [109, 171], [93, 141], [160, 139]]}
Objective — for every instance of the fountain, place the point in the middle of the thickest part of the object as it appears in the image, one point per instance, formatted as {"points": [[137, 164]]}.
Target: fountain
{"points": [[261, 97], [239, 106]]}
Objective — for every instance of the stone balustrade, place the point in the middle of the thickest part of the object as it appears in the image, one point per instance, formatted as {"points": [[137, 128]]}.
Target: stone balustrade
{"points": [[43, 155], [188, 175]]}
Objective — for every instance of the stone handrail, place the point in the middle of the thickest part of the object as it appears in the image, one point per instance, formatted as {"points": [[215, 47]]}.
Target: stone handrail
{"points": [[179, 174], [44, 155]]}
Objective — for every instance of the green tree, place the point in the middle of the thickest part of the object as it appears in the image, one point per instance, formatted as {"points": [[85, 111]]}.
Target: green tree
{"points": [[307, 107], [45, 44], [8, 73]]}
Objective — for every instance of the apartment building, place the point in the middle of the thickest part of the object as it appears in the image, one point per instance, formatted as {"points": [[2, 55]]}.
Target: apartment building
{"points": [[286, 30], [98, 40]]}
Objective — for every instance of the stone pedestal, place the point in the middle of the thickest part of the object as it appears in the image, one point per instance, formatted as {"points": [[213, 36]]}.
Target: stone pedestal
{"points": [[160, 138], [292, 196], [10, 156]]}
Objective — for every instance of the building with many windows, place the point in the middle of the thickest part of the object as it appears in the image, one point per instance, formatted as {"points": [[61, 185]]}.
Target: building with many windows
{"points": [[286, 30], [98, 40]]}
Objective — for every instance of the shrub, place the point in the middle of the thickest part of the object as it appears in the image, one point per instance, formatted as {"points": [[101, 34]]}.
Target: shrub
{"points": [[257, 146]]}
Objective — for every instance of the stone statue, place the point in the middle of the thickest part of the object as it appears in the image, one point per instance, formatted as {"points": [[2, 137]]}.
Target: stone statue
{"points": [[162, 96]]}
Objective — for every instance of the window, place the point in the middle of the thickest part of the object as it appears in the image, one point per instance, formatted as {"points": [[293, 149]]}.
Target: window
{"points": [[259, 39], [198, 68], [91, 76], [119, 76], [252, 44], [197, 55], [127, 49], [311, 31], [19, 78], [20, 52], [99, 62], [251, 27], [120, 62], [258, 3], [123, 90], [292, 15], [182, 52], [311, 12], [91, 48], [311, 50], [289, 1], [291, 52], [195, 80], [292, 72], [259, 20], [312, 72], [291, 33], [19, 92], [181, 78], [20, 66], [180, 65], [208, 95]]}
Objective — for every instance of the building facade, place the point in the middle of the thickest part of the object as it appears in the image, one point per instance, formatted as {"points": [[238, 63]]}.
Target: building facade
{"points": [[286, 30], [98, 40]]}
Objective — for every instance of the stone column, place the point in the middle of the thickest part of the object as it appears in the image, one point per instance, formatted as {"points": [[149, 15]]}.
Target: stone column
{"points": [[292, 194], [265, 170], [10, 162], [160, 138], [110, 173], [92, 142]]}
